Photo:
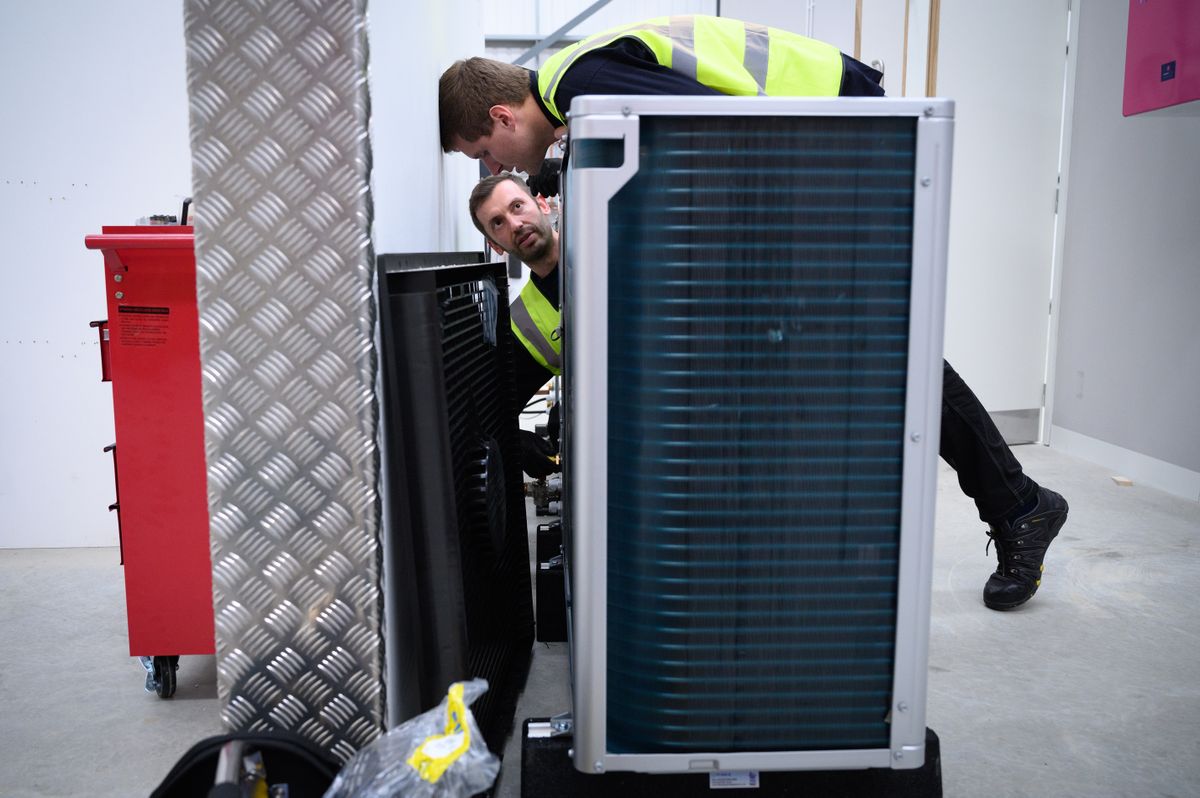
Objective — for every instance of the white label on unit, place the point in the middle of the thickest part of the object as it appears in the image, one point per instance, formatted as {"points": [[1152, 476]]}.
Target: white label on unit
{"points": [[733, 780]]}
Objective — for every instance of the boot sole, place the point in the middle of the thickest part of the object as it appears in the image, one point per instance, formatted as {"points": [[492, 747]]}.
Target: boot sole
{"points": [[1005, 607]]}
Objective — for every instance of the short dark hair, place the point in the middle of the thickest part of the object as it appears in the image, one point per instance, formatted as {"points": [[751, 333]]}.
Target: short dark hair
{"points": [[468, 90], [484, 188]]}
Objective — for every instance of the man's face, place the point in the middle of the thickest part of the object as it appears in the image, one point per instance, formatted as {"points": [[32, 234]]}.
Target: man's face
{"points": [[508, 147], [517, 222]]}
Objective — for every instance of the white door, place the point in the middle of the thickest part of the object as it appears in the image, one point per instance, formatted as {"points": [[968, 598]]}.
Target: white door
{"points": [[1004, 65]]}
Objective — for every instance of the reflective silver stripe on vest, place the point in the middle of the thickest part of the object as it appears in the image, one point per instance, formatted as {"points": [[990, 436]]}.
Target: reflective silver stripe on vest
{"points": [[587, 48], [758, 48], [534, 335], [683, 46]]}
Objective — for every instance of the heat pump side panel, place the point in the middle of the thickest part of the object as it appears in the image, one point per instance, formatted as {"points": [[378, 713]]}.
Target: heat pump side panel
{"points": [[455, 486]]}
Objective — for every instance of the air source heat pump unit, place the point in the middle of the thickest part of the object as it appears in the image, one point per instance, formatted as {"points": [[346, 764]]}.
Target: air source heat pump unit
{"points": [[459, 602], [753, 302]]}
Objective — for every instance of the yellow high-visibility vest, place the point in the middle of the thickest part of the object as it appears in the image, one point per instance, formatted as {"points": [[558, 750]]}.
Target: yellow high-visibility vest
{"points": [[535, 324], [728, 55]]}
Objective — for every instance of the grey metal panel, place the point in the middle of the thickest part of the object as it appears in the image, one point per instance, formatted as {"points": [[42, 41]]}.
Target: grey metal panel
{"points": [[585, 335], [931, 213], [279, 113], [601, 104]]}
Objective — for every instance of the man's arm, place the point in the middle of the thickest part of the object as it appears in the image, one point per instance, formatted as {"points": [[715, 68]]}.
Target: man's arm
{"points": [[628, 67], [625, 67], [859, 80]]}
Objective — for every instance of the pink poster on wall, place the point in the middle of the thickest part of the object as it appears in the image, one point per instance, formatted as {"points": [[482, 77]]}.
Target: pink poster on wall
{"points": [[1162, 55]]}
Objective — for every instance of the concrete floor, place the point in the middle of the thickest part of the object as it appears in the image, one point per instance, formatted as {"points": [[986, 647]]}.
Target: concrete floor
{"points": [[1092, 689]]}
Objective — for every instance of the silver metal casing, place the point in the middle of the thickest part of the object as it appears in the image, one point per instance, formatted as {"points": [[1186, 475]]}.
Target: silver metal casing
{"points": [[609, 146], [285, 278]]}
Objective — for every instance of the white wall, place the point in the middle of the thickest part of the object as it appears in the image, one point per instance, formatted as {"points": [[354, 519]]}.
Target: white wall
{"points": [[95, 133], [420, 194], [1127, 371], [544, 16]]}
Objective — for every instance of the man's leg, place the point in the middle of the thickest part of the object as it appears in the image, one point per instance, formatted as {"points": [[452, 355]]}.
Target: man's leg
{"points": [[1022, 516]]}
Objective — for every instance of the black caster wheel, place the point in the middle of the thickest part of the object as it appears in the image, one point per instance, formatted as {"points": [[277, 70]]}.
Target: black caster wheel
{"points": [[164, 675]]}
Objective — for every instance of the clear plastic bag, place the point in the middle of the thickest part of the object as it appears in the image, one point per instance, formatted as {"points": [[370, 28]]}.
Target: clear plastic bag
{"points": [[437, 754]]}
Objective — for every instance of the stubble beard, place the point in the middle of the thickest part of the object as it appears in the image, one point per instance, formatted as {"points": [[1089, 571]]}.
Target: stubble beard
{"points": [[537, 250]]}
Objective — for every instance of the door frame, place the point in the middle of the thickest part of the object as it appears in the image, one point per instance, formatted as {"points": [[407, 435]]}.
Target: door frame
{"points": [[1074, 9]]}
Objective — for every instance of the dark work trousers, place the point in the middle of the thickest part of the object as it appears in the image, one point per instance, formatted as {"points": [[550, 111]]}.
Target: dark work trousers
{"points": [[987, 470]]}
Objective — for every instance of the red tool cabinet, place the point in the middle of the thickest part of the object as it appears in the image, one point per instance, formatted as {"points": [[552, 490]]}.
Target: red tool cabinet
{"points": [[152, 355]]}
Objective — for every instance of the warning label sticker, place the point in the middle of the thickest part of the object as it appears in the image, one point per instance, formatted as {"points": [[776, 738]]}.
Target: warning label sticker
{"points": [[143, 326]]}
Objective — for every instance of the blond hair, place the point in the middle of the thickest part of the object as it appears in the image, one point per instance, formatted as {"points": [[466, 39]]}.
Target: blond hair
{"points": [[468, 90]]}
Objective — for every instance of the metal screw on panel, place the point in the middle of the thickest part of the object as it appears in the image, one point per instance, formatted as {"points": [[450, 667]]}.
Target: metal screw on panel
{"points": [[118, 278], [120, 295], [925, 181], [903, 707], [929, 110], [599, 766], [625, 110], [897, 755], [915, 437]]}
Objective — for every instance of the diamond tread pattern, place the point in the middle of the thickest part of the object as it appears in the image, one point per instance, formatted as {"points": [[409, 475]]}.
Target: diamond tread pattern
{"points": [[279, 119]]}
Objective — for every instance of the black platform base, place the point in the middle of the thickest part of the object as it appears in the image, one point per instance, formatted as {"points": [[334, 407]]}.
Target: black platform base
{"points": [[547, 772]]}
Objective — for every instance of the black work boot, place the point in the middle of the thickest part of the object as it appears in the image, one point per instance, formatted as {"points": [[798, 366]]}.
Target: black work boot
{"points": [[1021, 545]]}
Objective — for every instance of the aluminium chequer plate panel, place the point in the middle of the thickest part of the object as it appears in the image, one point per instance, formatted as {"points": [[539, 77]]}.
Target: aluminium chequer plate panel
{"points": [[279, 115]]}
